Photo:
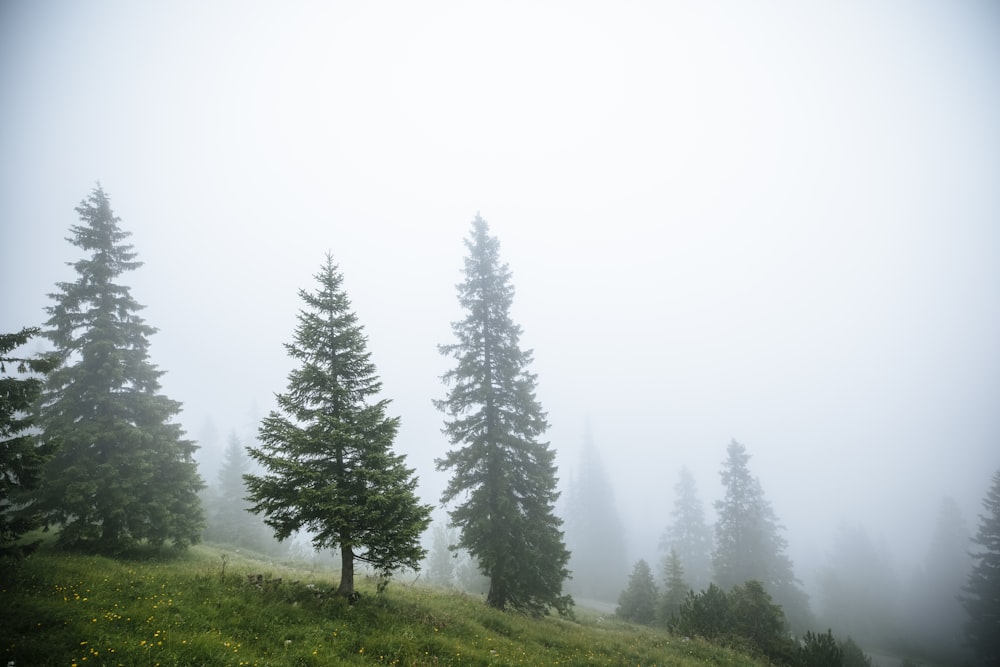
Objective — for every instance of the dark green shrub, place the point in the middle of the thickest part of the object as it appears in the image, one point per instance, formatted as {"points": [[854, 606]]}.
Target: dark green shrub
{"points": [[819, 651], [759, 622], [745, 619], [704, 614]]}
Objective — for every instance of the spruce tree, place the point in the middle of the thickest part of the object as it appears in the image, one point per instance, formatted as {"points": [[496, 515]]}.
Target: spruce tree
{"points": [[982, 599], [594, 531], [637, 602], [748, 545], [675, 588], [688, 533], [326, 452], [123, 471], [21, 454], [506, 478]]}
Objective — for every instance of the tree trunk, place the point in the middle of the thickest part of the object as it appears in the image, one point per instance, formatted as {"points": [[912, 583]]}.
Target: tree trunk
{"points": [[497, 597], [346, 571]]}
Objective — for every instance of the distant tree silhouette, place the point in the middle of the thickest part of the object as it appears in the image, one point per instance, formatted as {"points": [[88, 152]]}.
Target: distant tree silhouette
{"points": [[748, 544], [982, 592], [675, 588], [688, 533], [440, 563], [229, 520], [595, 535]]}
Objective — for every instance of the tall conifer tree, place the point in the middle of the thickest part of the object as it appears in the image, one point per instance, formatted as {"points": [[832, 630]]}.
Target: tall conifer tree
{"points": [[327, 452], [982, 600], [506, 478], [637, 603], [675, 587], [594, 531], [748, 544], [688, 534], [123, 471]]}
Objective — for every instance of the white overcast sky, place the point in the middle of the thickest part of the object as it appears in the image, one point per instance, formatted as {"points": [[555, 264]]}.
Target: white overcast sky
{"points": [[777, 222]]}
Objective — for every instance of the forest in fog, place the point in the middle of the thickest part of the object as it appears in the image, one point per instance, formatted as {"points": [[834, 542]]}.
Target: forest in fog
{"points": [[741, 263], [110, 469]]}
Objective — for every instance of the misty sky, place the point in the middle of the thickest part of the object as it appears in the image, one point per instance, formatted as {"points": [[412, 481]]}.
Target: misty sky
{"points": [[777, 222]]}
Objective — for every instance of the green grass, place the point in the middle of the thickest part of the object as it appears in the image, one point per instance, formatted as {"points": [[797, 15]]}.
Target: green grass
{"points": [[62, 609]]}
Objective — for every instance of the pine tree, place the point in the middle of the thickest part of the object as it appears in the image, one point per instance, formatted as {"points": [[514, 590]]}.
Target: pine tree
{"points": [[123, 472], [506, 477], [21, 455], [748, 546], [689, 534], [594, 531], [637, 602], [982, 601], [675, 588], [327, 452]]}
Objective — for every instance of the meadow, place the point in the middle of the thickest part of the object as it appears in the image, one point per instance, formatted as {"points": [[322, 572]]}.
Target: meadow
{"points": [[214, 607]]}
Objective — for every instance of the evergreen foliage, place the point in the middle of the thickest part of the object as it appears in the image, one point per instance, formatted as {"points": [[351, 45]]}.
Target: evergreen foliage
{"points": [[746, 618], [704, 614], [123, 472], [982, 599], [757, 620], [819, 650], [594, 531], [748, 545], [637, 602], [688, 532], [506, 478], [326, 452], [21, 454], [675, 588]]}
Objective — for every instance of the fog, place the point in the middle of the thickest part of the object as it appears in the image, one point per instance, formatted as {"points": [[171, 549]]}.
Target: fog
{"points": [[772, 222]]}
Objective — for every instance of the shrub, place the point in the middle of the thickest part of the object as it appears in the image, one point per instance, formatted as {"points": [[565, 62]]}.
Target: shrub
{"points": [[760, 622], [819, 651], [704, 614], [745, 619]]}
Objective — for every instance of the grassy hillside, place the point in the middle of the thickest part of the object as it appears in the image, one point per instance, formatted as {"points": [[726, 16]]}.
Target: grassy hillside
{"points": [[202, 609]]}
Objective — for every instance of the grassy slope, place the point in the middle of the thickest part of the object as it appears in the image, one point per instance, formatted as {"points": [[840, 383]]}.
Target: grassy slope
{"points": [[58, 609]]}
